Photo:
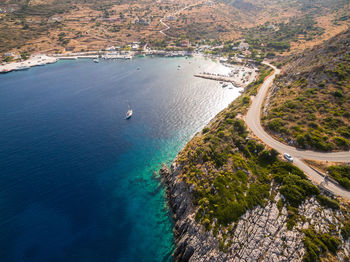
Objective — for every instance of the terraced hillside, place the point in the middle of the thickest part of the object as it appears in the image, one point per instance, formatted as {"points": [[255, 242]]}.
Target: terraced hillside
{"points": [[309, 103]]}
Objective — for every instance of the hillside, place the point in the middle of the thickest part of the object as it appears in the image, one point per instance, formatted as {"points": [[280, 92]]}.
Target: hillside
{"points": [[309, 103], [60, 25], [236, 200]]}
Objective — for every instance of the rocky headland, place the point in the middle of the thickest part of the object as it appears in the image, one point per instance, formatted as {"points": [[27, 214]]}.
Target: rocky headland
{"points": [[234, 199], [261, 234]]}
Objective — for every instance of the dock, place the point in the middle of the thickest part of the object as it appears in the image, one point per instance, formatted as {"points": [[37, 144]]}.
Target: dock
{"points": [[220, 78]]}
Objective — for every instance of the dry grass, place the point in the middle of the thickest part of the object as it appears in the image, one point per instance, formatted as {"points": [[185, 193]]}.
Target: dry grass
{"points": [[86, 27], [331, 30]]}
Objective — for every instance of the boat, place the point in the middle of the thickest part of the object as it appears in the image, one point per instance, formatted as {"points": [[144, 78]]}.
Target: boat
{"points": [[129, 113], [23, 67], [221, 82], [96, 60], [224, 85], [4, 71]]}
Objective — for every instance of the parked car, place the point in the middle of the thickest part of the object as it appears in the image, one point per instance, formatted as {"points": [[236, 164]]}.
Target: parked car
{"points": [[288, 157]]}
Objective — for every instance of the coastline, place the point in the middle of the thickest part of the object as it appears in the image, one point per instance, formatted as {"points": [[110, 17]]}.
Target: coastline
{"points": [[189, 236], [182, 205], [44, 59], [192, 241], [265, 228], [153, 237], [241, 75]]}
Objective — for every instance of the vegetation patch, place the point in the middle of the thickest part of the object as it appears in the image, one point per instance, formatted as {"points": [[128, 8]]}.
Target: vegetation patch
{"points": [[276, 37], [317, 244], [345, 230], [310, 103], [341, 173], [328, 202]]}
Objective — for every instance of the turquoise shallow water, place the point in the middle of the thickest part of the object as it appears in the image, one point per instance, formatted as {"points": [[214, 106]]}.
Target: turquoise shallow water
{"points": [[80, 183]]}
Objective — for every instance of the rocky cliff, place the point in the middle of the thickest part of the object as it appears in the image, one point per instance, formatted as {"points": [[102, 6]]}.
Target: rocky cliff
{"points": [[260, 235]]}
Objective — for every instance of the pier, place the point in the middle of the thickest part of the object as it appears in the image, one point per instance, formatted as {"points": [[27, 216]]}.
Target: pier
{"points": [[220, 78]]}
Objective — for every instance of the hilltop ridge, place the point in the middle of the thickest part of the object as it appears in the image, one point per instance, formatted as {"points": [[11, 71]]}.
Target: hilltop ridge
{"points": [[62, 26]]}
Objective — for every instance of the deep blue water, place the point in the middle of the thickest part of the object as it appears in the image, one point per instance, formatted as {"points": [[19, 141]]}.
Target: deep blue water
{"points": [[77, 181]]}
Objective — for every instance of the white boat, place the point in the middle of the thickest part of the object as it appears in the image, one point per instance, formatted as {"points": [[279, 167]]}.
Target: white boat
{"points": [[23, 67], [96, 60], [129, 113]]}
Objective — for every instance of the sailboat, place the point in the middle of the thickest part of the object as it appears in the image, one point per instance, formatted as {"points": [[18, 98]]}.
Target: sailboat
{"points": [[129, 113]]}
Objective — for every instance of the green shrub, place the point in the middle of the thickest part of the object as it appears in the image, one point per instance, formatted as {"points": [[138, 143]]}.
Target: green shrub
{"points": [[205, 130], [327, 202], [208, 138], [341, 173], [345, 230], [317, 244], [239, 126], [342, 142], [268, 156], [344, 131], [246, 100], [338, 93], [206, 223], [292, 217], [280, 205], [294, 185], [255, 147], [275, 124], [230, 212], [221, 134], [256, 194]]}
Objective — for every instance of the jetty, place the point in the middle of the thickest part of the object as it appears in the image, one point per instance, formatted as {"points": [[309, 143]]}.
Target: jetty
{"points": [[220, 78]]}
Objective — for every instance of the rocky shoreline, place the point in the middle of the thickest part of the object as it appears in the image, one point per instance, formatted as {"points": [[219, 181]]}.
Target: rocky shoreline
{"points": [[192, 242], [260, 235]]}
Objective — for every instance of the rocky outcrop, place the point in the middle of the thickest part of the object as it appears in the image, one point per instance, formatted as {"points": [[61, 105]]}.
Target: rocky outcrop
{"points": [[261, 234], [193, 243]]}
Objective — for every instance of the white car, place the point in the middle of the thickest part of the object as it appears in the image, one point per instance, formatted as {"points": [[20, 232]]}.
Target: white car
{"points": [[288, 157]]}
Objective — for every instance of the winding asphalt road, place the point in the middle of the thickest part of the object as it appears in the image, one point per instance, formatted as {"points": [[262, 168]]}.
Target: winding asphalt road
{"points": [[253, 120]]}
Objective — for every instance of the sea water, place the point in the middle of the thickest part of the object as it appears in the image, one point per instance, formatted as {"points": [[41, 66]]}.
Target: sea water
{"points": [[78, 182]]}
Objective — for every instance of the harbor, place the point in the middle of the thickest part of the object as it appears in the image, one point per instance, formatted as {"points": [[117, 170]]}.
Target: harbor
{"points": [[41, 59]]}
